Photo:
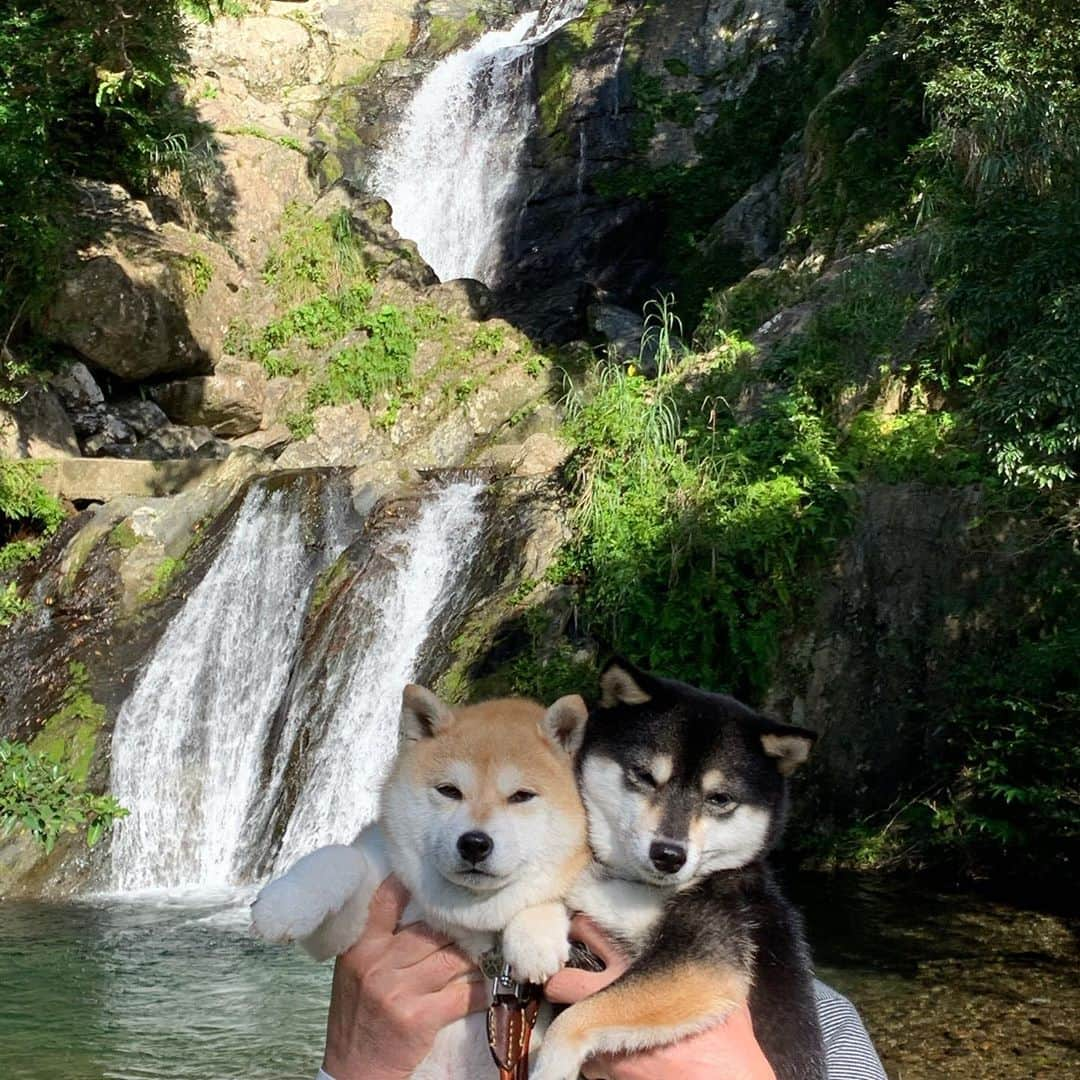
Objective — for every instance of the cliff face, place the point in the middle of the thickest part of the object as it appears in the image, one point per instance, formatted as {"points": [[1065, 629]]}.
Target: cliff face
{"points": [[263, 315]]}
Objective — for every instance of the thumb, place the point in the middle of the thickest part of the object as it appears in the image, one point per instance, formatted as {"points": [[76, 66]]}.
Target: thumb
{"points": [[570, 984]]}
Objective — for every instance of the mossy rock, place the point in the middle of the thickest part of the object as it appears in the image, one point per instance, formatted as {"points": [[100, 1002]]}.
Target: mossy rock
{"points": [[69, 736]]}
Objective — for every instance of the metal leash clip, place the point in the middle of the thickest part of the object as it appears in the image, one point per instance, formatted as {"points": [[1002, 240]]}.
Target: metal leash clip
{"points": [[504, 985], [510, 1020]]}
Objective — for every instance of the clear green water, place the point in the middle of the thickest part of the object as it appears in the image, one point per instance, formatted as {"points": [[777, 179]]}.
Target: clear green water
{"points": [[952, 987], [153, 991]]}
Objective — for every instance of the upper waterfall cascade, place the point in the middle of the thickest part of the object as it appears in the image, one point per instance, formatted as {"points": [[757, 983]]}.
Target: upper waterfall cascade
{"points": [[192, 740], [453, 172]]}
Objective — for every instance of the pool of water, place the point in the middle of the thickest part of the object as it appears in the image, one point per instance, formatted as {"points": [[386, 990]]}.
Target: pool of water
{"points": [[950, 986], [153, 990]]}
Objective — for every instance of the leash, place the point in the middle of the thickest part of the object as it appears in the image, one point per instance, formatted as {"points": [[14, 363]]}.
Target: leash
{"points": [[510, 1020]]}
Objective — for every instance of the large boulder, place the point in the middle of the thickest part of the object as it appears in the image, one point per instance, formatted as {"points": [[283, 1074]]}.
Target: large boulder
{"points": [[229, 402], [141, 300], [36, 426]]}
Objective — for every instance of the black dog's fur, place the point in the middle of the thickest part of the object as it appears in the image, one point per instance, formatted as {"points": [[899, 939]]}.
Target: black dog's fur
{"points": [[733, 919]]}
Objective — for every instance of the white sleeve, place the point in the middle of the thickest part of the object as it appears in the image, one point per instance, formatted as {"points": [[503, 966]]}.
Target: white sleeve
{"points": [[323, 1075]]}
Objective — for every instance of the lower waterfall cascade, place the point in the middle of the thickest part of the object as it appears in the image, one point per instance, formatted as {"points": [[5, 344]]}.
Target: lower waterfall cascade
{"points": [[363, 695], [452, 173], [191, 739]]}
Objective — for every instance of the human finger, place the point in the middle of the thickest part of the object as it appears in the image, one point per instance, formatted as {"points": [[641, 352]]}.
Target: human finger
{"points": [[413, 944], [461, 997], [385, 909], [583, 929], [438, 969]]}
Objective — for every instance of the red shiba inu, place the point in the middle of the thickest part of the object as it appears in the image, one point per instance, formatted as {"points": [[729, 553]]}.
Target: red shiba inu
{"points": [[481, 820]]}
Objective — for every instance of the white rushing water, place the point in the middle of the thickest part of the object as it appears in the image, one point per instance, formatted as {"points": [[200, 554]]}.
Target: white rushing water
{"points": [[405, 605], [192, 740], [452, 173], [188, 741]]}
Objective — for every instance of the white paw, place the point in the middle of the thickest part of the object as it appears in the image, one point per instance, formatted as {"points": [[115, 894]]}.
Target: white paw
{"points": [[294, 906], [288, 910], [536, 945], [556, 1062]]}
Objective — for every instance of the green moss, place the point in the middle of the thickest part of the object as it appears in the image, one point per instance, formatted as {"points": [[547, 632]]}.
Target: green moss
{"points": [[564, 53], [445, 33], [164, 572], [290, 142], [69, 737], [331, 169], [327, 583], [124, 537]]}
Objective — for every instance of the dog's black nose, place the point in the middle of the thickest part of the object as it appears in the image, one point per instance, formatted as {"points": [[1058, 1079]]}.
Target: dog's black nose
{"points": [[475, 846], [667, 857]]}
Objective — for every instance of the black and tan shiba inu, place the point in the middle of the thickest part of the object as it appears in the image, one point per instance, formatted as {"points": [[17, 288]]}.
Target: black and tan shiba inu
{"points": [[481, 820], [686, 793]]}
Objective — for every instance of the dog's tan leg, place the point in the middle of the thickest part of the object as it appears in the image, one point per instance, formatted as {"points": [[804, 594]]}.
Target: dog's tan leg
{"points": [[638, 1011]]}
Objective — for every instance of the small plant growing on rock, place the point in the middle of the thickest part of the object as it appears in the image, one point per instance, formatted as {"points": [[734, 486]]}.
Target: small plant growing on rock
{"points": [[46, 800]]}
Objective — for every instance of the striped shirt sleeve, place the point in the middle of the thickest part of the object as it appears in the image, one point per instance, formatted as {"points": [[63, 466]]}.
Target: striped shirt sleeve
{"points": [[849, 1053]]}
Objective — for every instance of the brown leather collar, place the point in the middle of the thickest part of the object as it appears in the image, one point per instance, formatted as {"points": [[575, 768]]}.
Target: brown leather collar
{"points": [[510, 1021]]}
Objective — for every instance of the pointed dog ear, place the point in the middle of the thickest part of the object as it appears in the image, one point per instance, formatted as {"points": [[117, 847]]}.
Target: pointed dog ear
{"points": [[422, 714], [564, 723], [790, 746], [621, 684]]}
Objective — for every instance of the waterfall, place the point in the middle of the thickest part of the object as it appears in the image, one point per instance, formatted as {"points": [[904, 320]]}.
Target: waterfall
{"points": [[193, 739], [188, 741], [396, 615], [452, 174]]}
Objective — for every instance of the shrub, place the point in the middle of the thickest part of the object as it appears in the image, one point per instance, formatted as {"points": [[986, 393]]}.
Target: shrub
{"points": [[696, 533], [1000, 192], [383, 362], [45, 799], [28, 516], [314, 256]]}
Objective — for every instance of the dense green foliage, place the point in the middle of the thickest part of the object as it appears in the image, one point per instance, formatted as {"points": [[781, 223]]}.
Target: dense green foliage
{"points": [[44, 798], [709, 497], [1001, 196], [696, 530], [28, 516], [86, 90]]}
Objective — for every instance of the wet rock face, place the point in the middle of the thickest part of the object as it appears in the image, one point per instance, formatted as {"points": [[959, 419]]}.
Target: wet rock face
{"points": [[884, 624], [625, 94]]}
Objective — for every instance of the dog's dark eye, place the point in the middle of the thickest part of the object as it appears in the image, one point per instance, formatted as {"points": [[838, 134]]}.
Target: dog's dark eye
{"points": [[721, 800], [522, 796], [448, 791], [643, 776]]}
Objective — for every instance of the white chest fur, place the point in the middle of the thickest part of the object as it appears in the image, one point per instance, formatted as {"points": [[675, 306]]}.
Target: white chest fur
{"points": [[626, 910]]}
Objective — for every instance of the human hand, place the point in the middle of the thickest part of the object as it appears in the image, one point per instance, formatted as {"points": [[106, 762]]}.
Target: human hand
{"points": [[393, 991], [726, 1051]]}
